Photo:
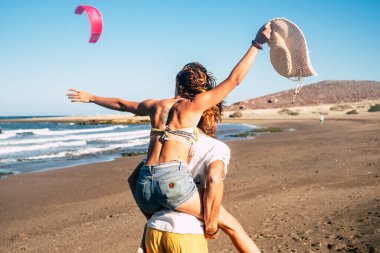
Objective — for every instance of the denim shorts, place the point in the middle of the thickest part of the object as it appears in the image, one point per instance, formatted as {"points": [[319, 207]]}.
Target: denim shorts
{"points": [[164, 186]]}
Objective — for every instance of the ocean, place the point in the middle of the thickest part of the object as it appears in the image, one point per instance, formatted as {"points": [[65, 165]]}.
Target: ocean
{"points": [[34, 147]]}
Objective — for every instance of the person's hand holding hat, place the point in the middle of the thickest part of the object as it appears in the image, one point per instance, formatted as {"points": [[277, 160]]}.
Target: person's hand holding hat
{"points": [[262, 36]]}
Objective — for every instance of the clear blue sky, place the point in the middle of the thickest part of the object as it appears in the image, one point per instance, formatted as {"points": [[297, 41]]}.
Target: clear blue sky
{"points": [[44, 47]]}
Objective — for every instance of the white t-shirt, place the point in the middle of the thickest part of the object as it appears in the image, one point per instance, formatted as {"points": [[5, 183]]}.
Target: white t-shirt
{"points": [[206, 151]]}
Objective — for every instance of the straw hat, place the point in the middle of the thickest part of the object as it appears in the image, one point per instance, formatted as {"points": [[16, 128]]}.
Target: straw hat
{"points": [[288, 50]]}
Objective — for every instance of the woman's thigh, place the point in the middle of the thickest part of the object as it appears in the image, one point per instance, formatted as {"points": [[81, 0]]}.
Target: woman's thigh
{"points": [[193, 205]]}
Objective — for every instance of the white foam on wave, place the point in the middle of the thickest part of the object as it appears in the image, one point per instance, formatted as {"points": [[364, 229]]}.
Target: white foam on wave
{"points": [[46, 131], [16, 149], [7, 135], [89, 150], [77, 131], [12, 133], [20, 131], [137, 142], [119, 136], [123, 137], [48, 156], [7, 160]]}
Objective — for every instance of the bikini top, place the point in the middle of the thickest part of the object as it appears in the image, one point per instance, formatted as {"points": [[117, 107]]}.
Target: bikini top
{"points": [[190, 134]]}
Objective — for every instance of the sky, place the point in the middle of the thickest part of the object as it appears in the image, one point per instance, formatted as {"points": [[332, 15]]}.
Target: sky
{"points": [[44, 48]]}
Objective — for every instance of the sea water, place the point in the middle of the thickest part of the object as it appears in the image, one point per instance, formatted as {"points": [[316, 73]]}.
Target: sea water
{"points": [[32, 147]]}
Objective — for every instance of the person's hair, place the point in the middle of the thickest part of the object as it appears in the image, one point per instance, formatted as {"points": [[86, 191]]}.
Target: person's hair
{"points": [[194, 79]]}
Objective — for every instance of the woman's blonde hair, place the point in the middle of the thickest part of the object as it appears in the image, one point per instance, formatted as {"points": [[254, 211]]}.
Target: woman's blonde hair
{"points": [[194, 79]]}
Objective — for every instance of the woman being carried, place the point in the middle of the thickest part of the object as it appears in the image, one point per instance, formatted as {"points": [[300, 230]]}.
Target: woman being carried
{"points": [[164, 180]]}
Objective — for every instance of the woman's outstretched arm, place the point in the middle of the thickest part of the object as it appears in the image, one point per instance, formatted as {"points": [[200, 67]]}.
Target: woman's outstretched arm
{"points": [[118, 104], [208, 99]]}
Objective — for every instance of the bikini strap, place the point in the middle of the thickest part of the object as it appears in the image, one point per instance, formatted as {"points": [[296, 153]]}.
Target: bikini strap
{"points": [[184, 134]]}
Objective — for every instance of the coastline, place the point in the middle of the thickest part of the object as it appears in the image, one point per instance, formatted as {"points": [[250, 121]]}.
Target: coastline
{"points": [[100, 119], [313, 189], [330, 111]]}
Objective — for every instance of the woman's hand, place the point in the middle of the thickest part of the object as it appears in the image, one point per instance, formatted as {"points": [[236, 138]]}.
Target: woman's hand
{"points": [[263, 35], [79, 96]]}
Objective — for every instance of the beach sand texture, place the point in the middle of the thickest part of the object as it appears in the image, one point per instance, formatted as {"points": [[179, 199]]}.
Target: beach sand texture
{"points": [[315, 189]]}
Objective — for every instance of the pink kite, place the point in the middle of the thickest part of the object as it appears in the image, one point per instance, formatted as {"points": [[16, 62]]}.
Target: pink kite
{"points": [[95, 19]]}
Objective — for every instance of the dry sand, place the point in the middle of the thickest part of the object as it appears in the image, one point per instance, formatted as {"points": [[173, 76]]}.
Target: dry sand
{"points": [[315, 189]]}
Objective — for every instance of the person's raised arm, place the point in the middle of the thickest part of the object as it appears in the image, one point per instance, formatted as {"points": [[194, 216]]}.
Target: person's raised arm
{"points": [[210, 98], [118, 104]]}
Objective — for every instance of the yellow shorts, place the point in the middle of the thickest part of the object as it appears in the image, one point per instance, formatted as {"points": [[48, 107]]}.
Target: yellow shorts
{"points": [[157, 241]]}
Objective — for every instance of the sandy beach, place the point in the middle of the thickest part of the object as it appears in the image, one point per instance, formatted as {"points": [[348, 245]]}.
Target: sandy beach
{"points": [[315, 189], [83, 84]]}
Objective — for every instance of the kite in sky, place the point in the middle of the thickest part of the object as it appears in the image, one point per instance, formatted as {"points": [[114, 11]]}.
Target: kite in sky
{"points": [[96, 21]]}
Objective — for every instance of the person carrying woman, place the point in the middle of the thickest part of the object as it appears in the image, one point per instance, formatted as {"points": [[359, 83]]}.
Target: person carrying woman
{"points": [[164, 181]]}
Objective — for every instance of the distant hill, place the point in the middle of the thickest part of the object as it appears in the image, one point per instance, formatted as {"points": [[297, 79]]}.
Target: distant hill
{"points": [[325, 92]]}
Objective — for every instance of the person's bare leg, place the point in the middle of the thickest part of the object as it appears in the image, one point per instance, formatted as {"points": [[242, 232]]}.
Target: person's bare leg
{"points": [[243, 243], [233, 228]]}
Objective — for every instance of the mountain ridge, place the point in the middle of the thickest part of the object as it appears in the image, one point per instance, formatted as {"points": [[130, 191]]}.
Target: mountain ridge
{"points": [[324, 92]]}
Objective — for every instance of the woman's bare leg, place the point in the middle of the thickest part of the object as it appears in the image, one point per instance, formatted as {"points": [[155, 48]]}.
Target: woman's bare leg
{"points": [[243, 243]]}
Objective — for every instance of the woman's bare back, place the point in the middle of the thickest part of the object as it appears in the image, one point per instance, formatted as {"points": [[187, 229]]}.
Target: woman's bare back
{"points": [[174, 114]]}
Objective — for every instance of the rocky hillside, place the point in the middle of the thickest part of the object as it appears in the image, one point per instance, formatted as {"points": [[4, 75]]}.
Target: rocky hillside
{"points": [[326, 92]]}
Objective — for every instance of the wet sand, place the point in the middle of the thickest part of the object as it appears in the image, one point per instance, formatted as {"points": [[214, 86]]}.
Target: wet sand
{"points": [[315, 189]]}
